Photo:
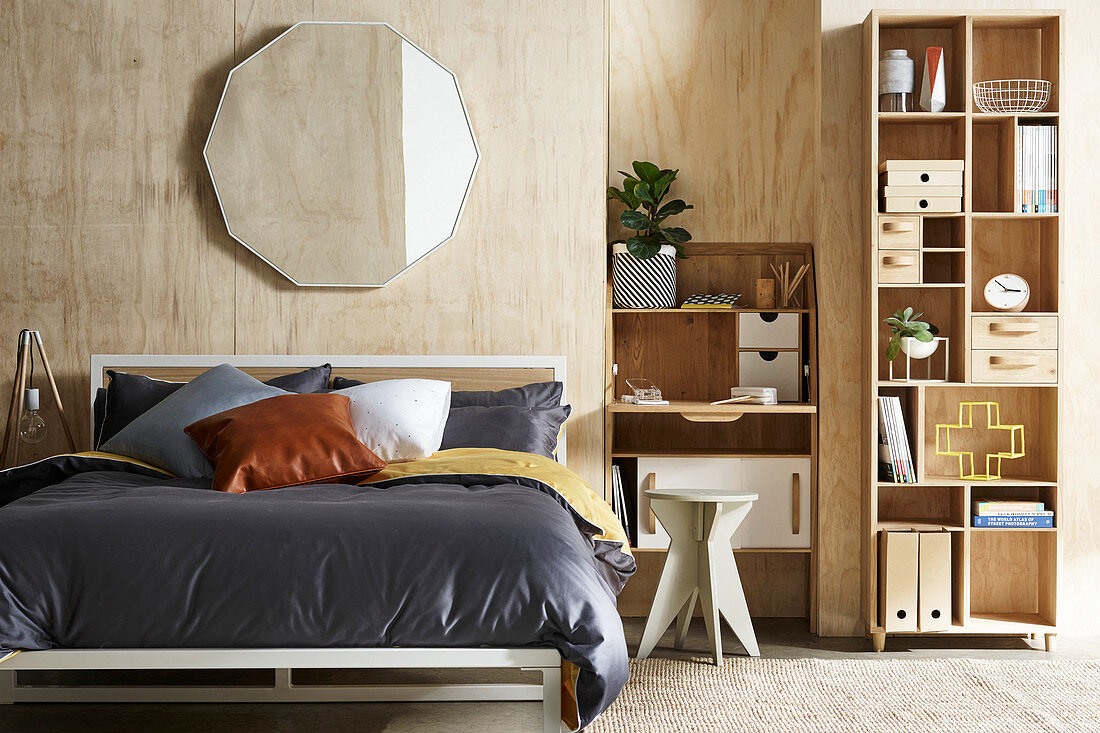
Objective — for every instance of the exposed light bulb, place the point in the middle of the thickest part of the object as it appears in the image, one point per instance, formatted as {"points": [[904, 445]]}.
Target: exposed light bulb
{"points": [[32, 428]]}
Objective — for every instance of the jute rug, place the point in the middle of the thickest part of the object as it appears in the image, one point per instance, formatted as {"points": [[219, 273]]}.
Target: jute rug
{"points": [[840, 695]]}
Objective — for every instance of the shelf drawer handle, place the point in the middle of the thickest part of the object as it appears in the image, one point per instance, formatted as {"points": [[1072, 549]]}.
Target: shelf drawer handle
{"points": [[898, 261], [796, 503], [898, 226], [1014, 329], [1005, 362]]}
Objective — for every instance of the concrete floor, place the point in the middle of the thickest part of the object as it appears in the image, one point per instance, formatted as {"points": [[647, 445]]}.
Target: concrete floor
{"points": [[778, 638]]}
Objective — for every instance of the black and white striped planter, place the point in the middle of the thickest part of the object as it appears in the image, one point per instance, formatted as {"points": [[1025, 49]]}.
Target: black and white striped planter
{"points": [[643, 283]]}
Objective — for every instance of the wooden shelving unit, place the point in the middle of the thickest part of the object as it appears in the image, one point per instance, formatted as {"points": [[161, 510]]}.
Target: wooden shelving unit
{"points": [[1003, 581], [694, 357]]}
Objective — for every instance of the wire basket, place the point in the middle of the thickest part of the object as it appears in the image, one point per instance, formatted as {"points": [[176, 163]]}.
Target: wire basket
{"points": [[1012, 95]]}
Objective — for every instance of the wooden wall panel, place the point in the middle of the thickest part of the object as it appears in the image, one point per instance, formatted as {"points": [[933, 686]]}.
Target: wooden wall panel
{"points": [[109, 230], [840, 262], [724, 91], [524, 275], [113, 240]]}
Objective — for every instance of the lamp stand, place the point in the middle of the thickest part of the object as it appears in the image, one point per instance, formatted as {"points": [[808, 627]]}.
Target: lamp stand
{"points": [[27, 339]]}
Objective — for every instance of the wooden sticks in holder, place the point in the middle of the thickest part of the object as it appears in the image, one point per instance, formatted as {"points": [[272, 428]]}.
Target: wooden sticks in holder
{"points": [[787, 285], [24, 365]]}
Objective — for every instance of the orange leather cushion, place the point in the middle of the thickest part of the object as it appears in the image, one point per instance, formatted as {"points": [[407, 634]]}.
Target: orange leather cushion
{"points": [[284, 441]]}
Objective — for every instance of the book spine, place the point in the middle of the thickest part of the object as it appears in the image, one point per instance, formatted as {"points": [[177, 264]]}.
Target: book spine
{"points": [[982, 506], [1021, 522], [1010, 513], [886, 467]]}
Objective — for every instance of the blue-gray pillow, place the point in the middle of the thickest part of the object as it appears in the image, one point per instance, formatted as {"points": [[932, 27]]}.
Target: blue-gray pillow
{"points": [[507, 427], [129, 395], [157, 436]]}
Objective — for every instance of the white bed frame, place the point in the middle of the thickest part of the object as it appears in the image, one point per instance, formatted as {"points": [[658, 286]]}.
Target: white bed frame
{"points": [[284, 661]]}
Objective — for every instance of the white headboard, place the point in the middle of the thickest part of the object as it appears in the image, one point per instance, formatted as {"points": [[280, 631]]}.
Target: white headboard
{"points": [[464, 372]]}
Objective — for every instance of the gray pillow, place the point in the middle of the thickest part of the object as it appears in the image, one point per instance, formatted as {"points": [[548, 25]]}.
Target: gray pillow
{"points": [[507, 427], [539, 394], [157, 436]]}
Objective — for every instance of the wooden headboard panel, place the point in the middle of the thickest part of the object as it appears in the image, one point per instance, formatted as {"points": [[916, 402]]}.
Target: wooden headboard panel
{"points": [[463, 372]]}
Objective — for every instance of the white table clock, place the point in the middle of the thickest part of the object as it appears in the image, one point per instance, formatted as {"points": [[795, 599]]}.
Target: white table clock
{"points": [[1007, 292]]}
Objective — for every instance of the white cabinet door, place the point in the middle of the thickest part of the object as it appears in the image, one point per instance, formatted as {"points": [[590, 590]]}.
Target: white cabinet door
{"points": [[770, 522], [680, 473]]}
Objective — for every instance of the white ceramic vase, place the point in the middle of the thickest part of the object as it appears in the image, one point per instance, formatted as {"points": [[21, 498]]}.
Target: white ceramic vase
{"points": [[918, 349]]}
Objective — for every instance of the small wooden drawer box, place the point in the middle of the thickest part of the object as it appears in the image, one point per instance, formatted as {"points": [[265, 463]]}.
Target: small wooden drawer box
{"points": [[1014, 332], [779, 369], [898, 232], [899, 266], [932, 204], [921, 178], [1034, 366], [767, 330]]}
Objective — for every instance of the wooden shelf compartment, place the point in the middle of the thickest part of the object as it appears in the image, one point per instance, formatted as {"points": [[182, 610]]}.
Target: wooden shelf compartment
{"points": [[1026, 246], [1033, 407], [922, 508], [921, 140], [910, 398], [943, 233], [1017, 47], [916, 34], [943, 267], [993, 167], [705, 311], [1013, 575], [942, 305], [715, 267], [1046, 493]]}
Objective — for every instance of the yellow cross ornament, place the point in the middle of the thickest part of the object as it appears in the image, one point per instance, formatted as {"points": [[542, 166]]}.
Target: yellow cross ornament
{"points": [[993, 422]]}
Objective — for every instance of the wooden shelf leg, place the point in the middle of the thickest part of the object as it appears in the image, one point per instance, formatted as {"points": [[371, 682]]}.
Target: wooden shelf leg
{"points": [[1052, 642], [878, 639]]}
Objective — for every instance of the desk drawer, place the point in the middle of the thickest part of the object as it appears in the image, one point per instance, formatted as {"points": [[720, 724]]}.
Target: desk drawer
{"points": [[1038, 366], [898, 232], [1014, 332], [899, 266]]}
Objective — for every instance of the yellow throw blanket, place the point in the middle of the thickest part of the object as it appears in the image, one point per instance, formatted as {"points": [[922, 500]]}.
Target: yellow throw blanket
{"points": [[567, 484]]}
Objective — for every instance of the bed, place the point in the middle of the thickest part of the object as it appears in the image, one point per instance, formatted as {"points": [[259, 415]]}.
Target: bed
{"points": [[472, 558]]}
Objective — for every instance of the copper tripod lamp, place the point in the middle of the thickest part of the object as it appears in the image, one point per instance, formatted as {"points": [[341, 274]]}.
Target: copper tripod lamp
{"points": [[25, 424]]}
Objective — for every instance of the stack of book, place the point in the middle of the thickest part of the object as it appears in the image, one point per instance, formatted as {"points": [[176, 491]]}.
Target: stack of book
{"points": [[921, 186], [618, 499], [1022, 514], [895, 462], [1037, 169]]}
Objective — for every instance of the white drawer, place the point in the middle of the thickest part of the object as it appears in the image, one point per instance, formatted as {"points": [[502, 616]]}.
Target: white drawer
{"points": [[921, 178], [917, 204], [767, 330], [679, 473], [781, 516], [779, 369]]}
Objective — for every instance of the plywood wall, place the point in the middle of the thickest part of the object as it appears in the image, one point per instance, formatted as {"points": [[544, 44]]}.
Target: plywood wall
{"points": [[112, 240], [724, 91], [840, 263]]}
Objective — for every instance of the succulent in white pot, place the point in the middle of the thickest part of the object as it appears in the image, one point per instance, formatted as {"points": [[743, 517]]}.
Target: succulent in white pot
{"points": [[644, 265], [911, 335]]}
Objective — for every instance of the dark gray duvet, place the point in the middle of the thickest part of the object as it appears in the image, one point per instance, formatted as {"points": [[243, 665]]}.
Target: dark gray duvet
{"points": [[118, 559]]}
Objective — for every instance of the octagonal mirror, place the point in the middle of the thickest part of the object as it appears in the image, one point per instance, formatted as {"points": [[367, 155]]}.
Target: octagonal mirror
{"points": [[341, 154]]}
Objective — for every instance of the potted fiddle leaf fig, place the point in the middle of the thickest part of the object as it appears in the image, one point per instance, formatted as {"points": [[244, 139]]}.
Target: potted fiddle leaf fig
{"points": [[644, 265], [911, 335]]}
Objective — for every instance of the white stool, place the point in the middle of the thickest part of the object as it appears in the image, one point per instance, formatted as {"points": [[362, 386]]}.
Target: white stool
{"points": [[700, 564]]}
